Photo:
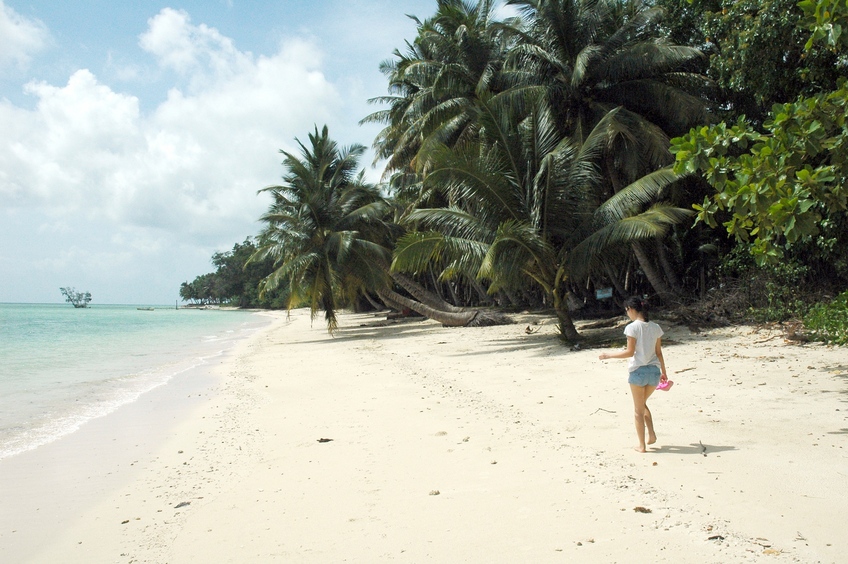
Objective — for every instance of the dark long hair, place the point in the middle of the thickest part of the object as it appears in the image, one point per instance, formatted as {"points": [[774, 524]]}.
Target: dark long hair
{"points": [[635, 302]]}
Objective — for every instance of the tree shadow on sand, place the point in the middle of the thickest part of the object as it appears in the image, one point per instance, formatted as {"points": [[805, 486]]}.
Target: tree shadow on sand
{"points": [[384, 330], [694, 448]]}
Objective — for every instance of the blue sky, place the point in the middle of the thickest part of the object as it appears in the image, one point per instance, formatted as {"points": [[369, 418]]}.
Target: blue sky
{"points": [[136, 134]]}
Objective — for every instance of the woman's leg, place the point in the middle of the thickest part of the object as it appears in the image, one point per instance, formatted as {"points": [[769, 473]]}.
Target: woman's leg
{"points": [[642, 415], [649, 419], [649, 424]]}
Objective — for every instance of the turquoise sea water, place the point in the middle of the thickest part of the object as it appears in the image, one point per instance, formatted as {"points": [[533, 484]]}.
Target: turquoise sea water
{"points": [[61, 367]]}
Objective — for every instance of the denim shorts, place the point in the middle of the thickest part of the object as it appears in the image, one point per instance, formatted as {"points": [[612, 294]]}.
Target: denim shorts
{"points": [[648, 375]]}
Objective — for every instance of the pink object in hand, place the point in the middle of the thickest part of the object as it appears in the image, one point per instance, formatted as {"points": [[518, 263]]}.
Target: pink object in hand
{"points": [[665, 386]]}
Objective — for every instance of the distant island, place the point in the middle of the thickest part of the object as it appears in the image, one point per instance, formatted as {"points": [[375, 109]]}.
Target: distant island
{"points": [[77, 299]]}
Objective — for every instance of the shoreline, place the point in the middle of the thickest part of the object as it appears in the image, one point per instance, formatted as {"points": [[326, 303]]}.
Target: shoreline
{"points": [[485, 444], [62, 370], [49, 486]]}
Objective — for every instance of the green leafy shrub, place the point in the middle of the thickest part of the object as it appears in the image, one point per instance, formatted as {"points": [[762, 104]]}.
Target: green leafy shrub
{"points": [[767, 293], [828, 322], [774, 189]]}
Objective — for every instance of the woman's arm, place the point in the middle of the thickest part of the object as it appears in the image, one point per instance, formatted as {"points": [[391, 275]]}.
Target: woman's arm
{"points": [[626, 353], [658, 352]]}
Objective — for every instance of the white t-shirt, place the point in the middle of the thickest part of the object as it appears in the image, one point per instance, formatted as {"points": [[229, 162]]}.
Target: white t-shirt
{"points": [[646, 334]]}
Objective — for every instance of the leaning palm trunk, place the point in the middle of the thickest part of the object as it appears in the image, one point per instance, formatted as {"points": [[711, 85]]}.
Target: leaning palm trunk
{"points": [[668, 268], [374, 304], [566, 324], [654, 277], [615, 280], [423, 295], [484, 297], [390, 303], [449, 319]]}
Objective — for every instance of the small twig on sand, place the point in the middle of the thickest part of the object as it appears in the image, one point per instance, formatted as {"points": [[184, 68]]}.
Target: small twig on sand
{"points": [[704, 451], [684, 370], [601, 409]]}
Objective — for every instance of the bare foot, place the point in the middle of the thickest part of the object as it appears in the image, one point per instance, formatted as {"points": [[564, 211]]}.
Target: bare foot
{"points": [[640, 449], [652, 439]]}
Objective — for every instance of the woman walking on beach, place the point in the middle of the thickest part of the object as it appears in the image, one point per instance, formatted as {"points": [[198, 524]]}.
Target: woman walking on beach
{"points": [[646, 365]]}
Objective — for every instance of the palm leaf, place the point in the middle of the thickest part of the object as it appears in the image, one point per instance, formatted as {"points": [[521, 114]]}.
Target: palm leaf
{"points": [[628, 201], [649, 224]]}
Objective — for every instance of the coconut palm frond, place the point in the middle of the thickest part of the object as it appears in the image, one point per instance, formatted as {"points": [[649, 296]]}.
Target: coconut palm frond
{"points": [[634, 197], [649, 224], [469, 177], [416, 250], [468, 256], [516, 253], [452, 222]]}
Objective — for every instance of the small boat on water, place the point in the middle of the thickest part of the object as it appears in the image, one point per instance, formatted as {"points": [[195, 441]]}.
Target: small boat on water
{"points": [[144, 308]]}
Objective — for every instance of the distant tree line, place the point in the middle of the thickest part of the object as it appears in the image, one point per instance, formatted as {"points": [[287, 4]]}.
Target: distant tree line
{"points": [[234, 282], [689, 150]]}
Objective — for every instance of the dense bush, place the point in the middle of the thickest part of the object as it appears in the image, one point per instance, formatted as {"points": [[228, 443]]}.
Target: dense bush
{"points": [[766, 293], [828, 322]]}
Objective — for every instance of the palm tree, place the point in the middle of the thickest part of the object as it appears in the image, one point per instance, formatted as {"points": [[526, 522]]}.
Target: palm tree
{"points": [[326, 234], [591, 56], [433, 86], [589, 77], [522, 200], [319, 228]]}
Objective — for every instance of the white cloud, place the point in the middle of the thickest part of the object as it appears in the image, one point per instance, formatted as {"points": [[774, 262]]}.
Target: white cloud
{"points": [[190, 167], [20, 37], [126, 198], [186, 48]]}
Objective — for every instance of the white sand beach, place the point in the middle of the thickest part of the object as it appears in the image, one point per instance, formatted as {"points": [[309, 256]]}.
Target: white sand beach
{"points": [[454, 445]]}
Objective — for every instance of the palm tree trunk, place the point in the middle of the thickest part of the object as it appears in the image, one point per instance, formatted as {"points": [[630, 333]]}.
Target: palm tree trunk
{"points": [[391, 304], [456, 299], [437, 287], [423, 295], [510, 296], [654, 278], [566, 324], [448, 319], [481, 291], [374, 304], [670, 274], [616, 281]]}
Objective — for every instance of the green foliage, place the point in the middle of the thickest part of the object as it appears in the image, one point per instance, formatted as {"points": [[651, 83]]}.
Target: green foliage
{"points": [[531, 151], [779, 290], [77, 299], [433, 85], [758, 52], [324, 230], [828, 322], [684, 20], [827, 20], [239, 278], [234, 281], [773, 189], [562, 107], [759, 56], [592, 57], [768, 293], [201, 290]]}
